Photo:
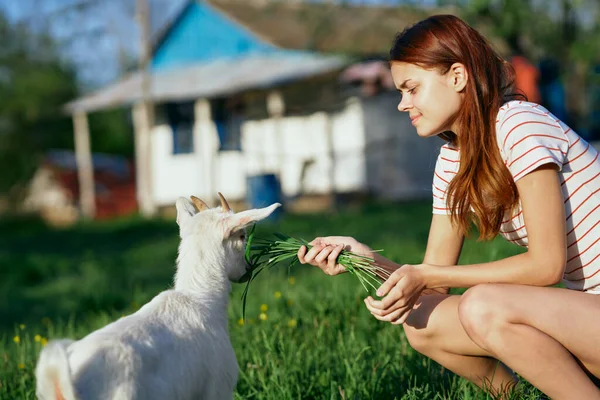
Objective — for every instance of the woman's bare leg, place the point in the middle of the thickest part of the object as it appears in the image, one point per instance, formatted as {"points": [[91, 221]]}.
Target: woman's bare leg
{"points": [[433, 328], [547, 335], [544, 334]]}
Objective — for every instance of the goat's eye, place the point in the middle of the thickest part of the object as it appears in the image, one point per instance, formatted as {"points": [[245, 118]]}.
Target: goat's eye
{"points": [[243, 237]]}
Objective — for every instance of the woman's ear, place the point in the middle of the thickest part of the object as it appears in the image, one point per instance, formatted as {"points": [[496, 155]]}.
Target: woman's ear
{"points": [[458, 77]]}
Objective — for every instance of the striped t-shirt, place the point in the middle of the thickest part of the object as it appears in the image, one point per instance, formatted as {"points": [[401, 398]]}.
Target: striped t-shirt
{"points": [[528, 137]]}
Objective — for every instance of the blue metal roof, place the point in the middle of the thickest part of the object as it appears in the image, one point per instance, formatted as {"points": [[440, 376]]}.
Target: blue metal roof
{"points": [[201, 33]]}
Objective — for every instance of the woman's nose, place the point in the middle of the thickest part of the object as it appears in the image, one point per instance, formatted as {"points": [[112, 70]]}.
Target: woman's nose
{"points": [[404, 104]]}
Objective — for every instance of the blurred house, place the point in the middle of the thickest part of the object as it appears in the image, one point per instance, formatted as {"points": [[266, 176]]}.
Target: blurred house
{"points": [[54, 189], [267, 100]]}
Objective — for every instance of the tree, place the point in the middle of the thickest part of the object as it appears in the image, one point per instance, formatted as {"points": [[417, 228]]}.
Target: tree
{"points": [[34, 84], [565, 30]]}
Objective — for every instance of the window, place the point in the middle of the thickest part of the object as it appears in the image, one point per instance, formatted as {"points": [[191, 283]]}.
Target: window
{"points": [[228, 115], [180, 117]]}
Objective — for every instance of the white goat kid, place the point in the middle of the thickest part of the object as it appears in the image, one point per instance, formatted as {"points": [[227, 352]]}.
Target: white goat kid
{"points": [[175, 347]]}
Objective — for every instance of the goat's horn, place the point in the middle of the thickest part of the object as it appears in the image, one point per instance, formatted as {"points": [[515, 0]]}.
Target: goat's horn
{"points": [[200, 205], [224, 204]]}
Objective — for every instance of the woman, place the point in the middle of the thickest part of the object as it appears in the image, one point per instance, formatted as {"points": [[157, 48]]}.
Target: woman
{"points": [[512, 168]]}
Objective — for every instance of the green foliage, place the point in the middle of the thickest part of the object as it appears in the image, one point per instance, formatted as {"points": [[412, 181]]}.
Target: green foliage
{"points": [[112, 132], [307, 335], [564, 29], [35, 84]]}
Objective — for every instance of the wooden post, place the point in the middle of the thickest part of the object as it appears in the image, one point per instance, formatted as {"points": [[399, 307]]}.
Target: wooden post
{"points": [[143, 160], [206, 147], [276, 109], [85, 170], [331, 153], [144, 117]]}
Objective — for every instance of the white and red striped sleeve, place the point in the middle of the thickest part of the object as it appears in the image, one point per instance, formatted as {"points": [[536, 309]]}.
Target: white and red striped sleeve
{"points": [[529, 138], [445, 167]]}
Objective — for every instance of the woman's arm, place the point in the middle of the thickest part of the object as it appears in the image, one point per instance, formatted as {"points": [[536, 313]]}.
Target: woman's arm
{"points": [[544, 262], [443, 248], [542, 265]]}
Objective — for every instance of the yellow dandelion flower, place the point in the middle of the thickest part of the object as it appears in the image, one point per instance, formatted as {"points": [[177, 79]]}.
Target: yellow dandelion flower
{"points": [[264, 307], [292, 323], [21, 366], [263, 317], [289, 302], [17, 339], [291, 280], [22, 326], [44, 341], [277, 295], [37, 338], [241, 321]]}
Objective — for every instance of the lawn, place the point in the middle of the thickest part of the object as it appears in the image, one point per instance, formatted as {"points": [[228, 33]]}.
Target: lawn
{"points": [[307, 335]]}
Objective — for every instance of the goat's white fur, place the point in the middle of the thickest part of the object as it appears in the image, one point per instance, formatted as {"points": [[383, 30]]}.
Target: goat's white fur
{"points": [[175, 347]]}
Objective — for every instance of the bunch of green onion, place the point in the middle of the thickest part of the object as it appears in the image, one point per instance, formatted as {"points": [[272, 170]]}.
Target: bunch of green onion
{"points": [[263, 253]]}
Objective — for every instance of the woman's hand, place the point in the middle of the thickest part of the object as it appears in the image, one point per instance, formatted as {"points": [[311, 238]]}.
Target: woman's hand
{"points": [[325, 251], [400, 292]]}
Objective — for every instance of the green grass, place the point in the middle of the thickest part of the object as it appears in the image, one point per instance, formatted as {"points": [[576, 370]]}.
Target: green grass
{"points": [[307, 335]]}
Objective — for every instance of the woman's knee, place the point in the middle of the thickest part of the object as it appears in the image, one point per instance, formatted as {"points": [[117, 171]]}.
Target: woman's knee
{"points": [[419, 338], [423, 326], [482, 311]]}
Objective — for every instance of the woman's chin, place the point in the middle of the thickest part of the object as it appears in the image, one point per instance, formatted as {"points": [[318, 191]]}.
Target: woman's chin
{"points": [[425, 133]]}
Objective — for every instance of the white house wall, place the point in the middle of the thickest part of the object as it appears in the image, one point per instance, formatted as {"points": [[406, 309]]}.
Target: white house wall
{"points": [[349, 143], [202, 173], [230, 175], [172, 175], [297, 148]]}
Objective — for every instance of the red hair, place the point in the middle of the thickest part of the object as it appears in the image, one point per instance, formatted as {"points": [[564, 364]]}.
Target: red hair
{"points": [[483, 189]]}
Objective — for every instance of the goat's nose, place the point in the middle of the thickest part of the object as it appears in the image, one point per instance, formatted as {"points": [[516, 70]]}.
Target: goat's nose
{"points": [[246, 277]]}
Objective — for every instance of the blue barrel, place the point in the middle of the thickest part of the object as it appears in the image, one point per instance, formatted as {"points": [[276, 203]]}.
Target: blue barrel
{"points": [[264, 190]]}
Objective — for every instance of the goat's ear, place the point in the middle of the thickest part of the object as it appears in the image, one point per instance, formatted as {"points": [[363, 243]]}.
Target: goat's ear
{"points": [[185, 210], [238, 221]]}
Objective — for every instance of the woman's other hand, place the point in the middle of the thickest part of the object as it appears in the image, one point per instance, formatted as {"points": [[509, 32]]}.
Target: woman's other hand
{"points": [[325, 251], [399, 294]]}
